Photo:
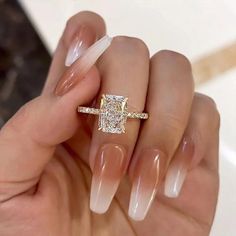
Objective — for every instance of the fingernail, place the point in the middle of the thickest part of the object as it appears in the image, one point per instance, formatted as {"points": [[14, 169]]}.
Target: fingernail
{"points": [[145, 181], [78, 69], [82, 40], [108, 170], [178, 169]]}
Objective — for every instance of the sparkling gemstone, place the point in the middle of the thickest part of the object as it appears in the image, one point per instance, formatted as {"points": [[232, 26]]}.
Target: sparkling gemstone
{"points": [[113, 114]]}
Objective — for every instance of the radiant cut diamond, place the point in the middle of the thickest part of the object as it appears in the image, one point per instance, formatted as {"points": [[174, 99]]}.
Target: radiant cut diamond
{"points": [[113, 114]]}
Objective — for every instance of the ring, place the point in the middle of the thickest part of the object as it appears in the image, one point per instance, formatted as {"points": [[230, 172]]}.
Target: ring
{"points": [[113, 113]]}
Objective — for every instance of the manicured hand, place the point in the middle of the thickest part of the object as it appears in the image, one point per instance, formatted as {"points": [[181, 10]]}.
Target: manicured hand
{"points": [[60, 175]]}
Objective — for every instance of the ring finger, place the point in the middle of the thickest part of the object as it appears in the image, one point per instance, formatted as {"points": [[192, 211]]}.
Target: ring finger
{"points": [[168, 103]]}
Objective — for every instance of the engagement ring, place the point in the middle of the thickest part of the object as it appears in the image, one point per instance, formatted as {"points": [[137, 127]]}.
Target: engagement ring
{"points": [[113, 113]]}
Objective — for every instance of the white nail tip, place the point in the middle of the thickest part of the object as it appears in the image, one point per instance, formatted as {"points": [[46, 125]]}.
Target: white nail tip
{"points": [[140, 202], [87, 56], [101, 196], [174, 182], [75, 51], [135, 214]]}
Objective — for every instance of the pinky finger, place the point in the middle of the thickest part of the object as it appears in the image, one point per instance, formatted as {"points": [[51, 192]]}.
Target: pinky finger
{"points": [[200, 137]]}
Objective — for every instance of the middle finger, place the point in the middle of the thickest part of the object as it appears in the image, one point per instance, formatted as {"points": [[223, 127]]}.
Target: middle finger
{"points": [[124, 70]]}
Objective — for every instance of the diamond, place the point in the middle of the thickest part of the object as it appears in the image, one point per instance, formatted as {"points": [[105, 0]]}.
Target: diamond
{"points": [[113, 114]]}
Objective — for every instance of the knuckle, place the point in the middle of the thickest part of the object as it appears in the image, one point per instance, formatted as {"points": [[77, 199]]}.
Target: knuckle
{"points": [[74, 22], [70, 21], [206, 99], [135, 45], [211, 114], [84, 16], [218, 119], [172, 122], [207, 102], [176, 65], [170, 127], [21, 118], [70, 29], [14, 125], [173, 56]]}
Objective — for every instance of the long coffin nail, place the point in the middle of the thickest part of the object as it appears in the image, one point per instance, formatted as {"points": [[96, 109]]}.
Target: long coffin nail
{"points": [[79, 69], [81, 42], [178, 168], [108, 171], [145, 181]]}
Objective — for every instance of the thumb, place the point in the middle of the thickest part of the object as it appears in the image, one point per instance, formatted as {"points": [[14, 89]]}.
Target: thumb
{"points": [[29, 138]]}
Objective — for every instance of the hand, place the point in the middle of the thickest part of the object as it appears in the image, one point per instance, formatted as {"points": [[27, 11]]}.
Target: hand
{"points": [[47, 148]]}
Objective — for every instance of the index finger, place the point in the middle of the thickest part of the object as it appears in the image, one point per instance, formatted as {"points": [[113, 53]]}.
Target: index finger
{"points": [[81, 31]]}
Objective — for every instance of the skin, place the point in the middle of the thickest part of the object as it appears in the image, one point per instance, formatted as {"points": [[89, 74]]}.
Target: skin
{"points": [[44, 190]]}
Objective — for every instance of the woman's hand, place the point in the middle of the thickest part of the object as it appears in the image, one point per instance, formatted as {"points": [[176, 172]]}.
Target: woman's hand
{"points": [[47, 148]]}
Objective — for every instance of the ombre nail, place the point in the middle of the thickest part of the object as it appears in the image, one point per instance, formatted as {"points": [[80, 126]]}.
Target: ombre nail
{"points": [[108, 170], [81, 42], [80, 67], [145, 182], [178, 169]]}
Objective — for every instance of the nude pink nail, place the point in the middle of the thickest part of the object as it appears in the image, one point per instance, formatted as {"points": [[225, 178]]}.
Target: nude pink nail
{"points": [[145, 182], [108, 170], [79, 68], [178, 169]]}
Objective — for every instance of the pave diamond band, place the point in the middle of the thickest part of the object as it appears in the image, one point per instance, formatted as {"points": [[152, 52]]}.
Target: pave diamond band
{"points": [[96, 111], [137, 115], [89, 110], [113, 113]]}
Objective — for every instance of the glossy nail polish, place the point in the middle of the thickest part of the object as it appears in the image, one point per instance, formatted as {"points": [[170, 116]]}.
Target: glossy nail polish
{"points": [[178, 169], [108, 170], [81, 42], [145, 181], [79, 69]]}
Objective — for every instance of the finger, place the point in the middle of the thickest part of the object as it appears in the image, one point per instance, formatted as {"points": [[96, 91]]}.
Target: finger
{"points": [[168, 104], [28, 140], [81, 31], [124, 69], [199, 138]]}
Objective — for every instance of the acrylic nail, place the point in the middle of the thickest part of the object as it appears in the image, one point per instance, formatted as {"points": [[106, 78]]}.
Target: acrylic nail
{"points": [[178, 168], [81, 42], [108, 170], [79, 68], [145, 182]]}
